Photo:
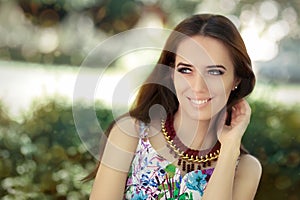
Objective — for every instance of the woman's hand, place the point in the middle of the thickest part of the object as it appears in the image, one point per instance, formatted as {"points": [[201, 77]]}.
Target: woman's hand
{"points": [[240, 119]]}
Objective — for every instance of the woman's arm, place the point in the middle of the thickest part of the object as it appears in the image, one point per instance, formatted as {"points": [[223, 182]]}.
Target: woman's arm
{"points": [[113, 170], [228, 180]]}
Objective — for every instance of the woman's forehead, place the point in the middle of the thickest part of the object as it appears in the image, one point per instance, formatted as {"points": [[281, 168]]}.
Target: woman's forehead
{"points": [[202, 50]]}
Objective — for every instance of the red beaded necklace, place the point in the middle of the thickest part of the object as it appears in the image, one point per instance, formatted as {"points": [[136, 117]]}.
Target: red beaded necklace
{"points": [[187, 157]]}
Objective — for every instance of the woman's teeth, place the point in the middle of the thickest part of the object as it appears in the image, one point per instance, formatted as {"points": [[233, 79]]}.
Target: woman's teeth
{"points": [[199, 102]]}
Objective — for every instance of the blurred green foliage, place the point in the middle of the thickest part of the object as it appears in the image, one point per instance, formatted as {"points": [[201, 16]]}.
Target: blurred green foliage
{"points": [[108, 15], [42, 157], [273, 137]]}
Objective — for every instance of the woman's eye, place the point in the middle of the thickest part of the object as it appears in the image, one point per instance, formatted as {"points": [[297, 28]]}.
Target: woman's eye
{"points": [[215, 72], [184, 70]]}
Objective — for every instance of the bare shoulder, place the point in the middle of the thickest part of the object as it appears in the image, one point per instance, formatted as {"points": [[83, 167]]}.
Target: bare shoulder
{"points": [[247, 177], [249, 164], [121, 144], [125, 134], [248, 173]]}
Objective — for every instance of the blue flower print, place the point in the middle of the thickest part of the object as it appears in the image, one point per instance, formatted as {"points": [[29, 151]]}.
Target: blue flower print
{"points": [[139, 196], [161, 172], [153, 183], [145, 180], [196, 181]]}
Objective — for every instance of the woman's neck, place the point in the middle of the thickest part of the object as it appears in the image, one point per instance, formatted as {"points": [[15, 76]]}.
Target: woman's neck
{"points": [[195, 134]]}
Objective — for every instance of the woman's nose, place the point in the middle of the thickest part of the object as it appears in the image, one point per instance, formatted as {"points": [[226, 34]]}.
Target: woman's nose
{"points": [[199, 84]]}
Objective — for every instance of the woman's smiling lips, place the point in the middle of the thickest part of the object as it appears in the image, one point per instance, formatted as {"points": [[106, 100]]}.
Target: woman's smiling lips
{"points": [[199, 102]]}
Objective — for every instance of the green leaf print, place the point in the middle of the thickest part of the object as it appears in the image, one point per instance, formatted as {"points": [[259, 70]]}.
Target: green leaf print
{"points": [[185, 196], [171, 169], [170, 187]]}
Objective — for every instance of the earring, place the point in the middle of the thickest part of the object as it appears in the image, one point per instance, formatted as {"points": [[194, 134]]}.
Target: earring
{"points": [[235, 87]]}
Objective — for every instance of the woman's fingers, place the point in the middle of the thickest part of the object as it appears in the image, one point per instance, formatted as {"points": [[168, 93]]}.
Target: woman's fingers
{"points": [[240, 118]]}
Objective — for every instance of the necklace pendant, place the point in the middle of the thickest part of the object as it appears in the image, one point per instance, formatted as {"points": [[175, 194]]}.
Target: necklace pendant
{"points": [[183, 165], [188, 168], [179, 162], [192, 167], [199, 167]]}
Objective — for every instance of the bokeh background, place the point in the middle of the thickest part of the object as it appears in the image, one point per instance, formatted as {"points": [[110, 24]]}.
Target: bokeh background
{"points": [[44, 42]]}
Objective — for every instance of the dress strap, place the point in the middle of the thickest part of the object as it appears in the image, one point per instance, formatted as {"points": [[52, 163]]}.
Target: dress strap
{"points": [[144, 129]]}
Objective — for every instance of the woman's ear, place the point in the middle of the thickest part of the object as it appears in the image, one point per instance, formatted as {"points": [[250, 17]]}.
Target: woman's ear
{"points": [[236, 84]]}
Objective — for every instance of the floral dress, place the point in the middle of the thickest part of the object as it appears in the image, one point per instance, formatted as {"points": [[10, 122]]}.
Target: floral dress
{"points": [[153, 177]]}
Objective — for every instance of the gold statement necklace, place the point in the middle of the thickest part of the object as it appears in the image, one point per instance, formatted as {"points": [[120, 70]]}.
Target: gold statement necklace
{"points": [[187, 158]]}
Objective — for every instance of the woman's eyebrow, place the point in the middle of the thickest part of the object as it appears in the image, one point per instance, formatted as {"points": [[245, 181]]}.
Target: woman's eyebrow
{"points": [[184, 64], [209, 66], [216, 66]]}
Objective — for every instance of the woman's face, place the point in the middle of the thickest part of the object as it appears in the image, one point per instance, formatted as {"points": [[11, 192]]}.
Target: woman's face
{"points": [[203, 77]]}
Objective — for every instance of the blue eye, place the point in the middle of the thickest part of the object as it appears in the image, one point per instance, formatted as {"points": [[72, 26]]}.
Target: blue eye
{"points": [[184, 70], [215, 72]]}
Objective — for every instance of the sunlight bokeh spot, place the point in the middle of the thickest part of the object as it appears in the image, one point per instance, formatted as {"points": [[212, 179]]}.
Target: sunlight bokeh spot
{"points": [[268, 10], [48, 40]]}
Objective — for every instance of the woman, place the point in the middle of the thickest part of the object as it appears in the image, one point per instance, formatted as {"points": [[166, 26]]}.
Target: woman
{"points": [[182, 137]]}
